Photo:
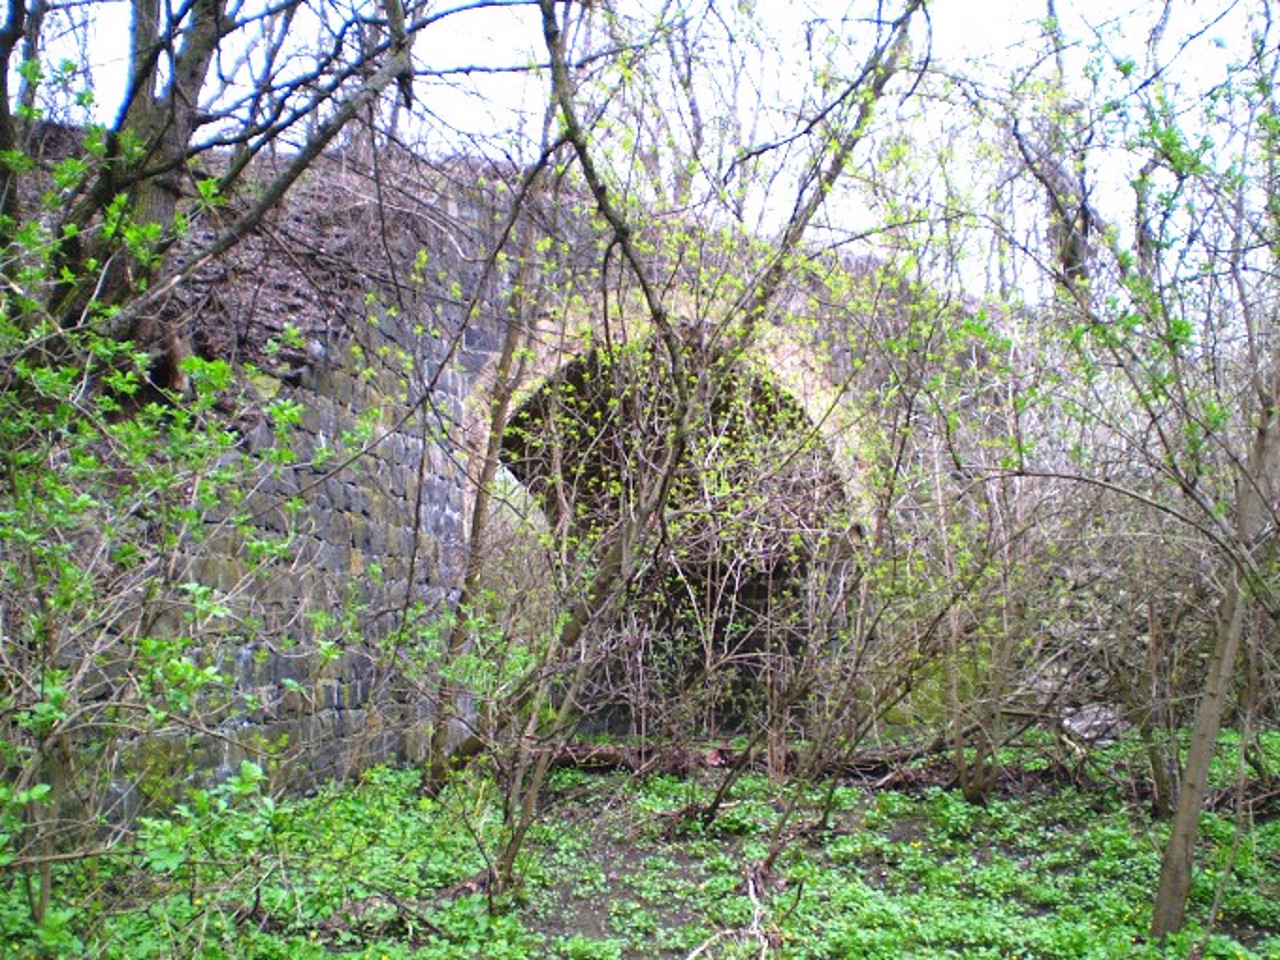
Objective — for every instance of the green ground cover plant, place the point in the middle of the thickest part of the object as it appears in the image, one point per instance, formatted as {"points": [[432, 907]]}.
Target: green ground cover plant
{"points": [[618, 866]]}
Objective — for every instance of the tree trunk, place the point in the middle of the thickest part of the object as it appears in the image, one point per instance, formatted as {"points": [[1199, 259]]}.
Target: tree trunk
{"points": [[1175, 869], [507, 378], [10, 34], [1254, 499]]}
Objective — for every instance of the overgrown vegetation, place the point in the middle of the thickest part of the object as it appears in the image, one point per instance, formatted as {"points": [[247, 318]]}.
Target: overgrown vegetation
{"points": [[618, 867], [913, 425]]}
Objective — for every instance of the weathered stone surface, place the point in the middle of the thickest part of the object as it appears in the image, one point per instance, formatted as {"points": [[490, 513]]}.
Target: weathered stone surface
{"points": [[292, 607], [333, 715]]}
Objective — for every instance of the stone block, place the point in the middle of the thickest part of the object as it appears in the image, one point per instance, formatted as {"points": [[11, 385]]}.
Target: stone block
{"points": [[292, 703], [268, 704], [297, 667], [328, 694], [219, 571], [359, 501], [377, 541], [304, 445], [329, 557], [358, 527], [336, 491], [374, 503], [400, 543], [258, 438]]}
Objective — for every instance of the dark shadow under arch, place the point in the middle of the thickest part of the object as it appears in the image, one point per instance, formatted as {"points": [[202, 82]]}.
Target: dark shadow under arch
{"points": [[755, 507]]}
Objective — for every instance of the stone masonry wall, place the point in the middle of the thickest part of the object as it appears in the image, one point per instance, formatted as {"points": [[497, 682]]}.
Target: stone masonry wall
{"points": [[330, 641], [370, 554]]}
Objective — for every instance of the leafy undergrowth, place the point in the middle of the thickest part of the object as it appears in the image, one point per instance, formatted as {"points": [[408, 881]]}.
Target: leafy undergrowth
{"points": [[617, 869]]}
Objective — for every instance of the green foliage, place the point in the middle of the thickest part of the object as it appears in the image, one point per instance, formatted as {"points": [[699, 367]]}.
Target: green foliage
{"points": [[347, 871], [376, 869], [105, 508], [114, 499], [579, 947]]}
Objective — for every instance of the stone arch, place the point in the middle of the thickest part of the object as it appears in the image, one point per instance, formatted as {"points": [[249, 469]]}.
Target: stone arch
{"points": [[758, 506]]}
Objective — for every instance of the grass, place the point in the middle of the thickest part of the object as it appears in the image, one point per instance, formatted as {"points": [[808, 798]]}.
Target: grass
{"points": [[613, 870]]}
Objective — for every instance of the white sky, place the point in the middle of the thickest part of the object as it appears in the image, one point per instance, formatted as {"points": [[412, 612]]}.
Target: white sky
{"points": [[999, 32], [987, 38]]}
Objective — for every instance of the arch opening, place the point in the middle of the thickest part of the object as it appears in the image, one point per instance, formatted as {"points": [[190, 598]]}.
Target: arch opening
{"points": [[714, 627]]}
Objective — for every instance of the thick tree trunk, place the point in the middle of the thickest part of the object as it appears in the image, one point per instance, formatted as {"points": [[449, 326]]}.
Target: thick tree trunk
{"points": [[163, 121]]}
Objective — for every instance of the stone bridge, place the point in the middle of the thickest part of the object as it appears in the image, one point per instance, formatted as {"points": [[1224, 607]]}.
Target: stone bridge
{"points": [[385, 306]]}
